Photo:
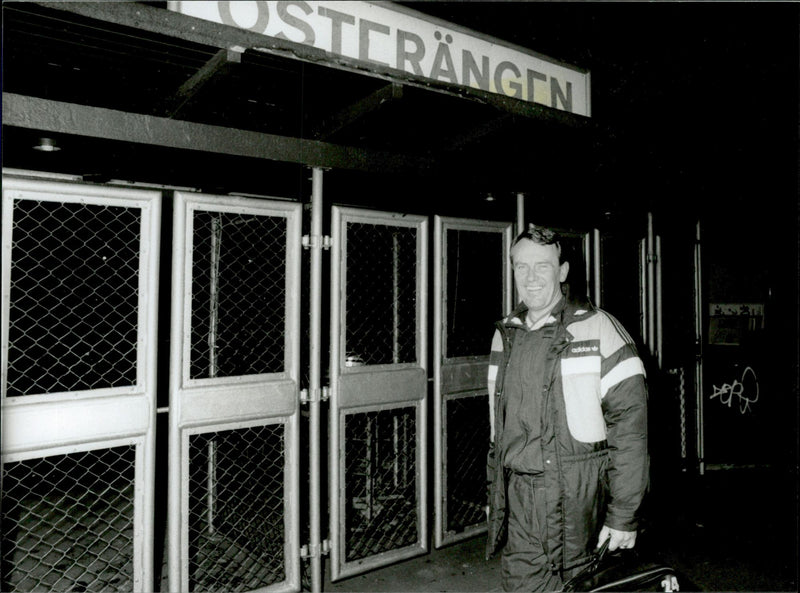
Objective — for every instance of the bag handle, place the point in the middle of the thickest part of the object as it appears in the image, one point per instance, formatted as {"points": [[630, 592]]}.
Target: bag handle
{"points": [[591, 567]]}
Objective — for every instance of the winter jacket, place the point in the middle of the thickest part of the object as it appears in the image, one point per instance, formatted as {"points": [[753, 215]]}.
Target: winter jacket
{"points": [[594, 430]]}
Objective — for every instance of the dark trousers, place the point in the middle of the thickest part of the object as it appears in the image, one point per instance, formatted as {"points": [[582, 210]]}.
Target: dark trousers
{"points": [[524, 565]]}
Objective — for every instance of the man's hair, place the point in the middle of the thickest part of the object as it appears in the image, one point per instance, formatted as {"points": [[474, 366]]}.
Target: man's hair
{"points": [[542, 236]]}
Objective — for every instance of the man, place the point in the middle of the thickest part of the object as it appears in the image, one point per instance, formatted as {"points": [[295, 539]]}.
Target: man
{"points": [[568, 459]]}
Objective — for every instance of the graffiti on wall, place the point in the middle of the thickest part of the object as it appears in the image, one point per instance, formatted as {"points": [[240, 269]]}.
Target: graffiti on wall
{"points": [[744, 390]]}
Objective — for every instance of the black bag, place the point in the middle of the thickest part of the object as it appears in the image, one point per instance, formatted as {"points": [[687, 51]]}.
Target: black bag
{"points": [[626, 570]]}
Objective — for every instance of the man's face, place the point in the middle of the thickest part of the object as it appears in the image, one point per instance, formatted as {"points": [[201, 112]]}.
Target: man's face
{"points": [[537, 274]]}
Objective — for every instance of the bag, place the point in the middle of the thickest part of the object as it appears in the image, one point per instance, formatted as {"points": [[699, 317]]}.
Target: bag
{"points": [[625, 570]]}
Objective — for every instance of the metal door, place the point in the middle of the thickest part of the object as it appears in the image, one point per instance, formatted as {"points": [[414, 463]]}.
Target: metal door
{"points": [[79, 278], [472, 290], [379, 389], [234, 445]]}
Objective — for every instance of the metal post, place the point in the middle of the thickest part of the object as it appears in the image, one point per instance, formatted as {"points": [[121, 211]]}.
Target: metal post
{"points": [[440, 264], [396, 451], [643, 291], [520, 229], [314, 381], [651, 341], [213, 326], [587, 261], [698, 330], [369, 483], [597, 268], [395, 299], [659, 305]]}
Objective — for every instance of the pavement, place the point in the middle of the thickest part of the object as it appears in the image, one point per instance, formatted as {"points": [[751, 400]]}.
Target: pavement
{"points": [[732, 529]]}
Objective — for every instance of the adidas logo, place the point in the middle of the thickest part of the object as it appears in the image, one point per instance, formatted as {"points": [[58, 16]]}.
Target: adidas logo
{"points": [[580, 349]]}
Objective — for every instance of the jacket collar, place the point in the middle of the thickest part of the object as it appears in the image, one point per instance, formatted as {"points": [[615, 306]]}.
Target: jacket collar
{"points": [[566, 311]]}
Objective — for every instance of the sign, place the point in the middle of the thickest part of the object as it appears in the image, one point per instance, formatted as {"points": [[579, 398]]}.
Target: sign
{"points": [[391, 36]]}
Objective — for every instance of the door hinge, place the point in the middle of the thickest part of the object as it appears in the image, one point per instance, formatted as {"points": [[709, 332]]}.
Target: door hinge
{"points": [[316, 395], [316, 242], [312, 551]]}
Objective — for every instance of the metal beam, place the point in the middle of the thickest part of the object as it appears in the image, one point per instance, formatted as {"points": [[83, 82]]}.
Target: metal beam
{"points": [[216, 67], [475, 133], [194, 30], [359, 109], [95, 122]]}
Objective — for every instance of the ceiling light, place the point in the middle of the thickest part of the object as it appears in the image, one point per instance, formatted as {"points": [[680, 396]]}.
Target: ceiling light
{"points": [[47, 145], [489, 197]]}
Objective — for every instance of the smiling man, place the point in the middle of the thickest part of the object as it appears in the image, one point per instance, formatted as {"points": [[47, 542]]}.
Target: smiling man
{"points": [[567, 464]]}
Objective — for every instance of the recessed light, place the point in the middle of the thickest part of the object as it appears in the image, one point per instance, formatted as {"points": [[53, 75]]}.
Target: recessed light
{"points": [[47, 145]]}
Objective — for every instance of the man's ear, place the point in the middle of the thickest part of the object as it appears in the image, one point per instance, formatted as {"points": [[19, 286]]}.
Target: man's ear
{"points": [[564, 271]]}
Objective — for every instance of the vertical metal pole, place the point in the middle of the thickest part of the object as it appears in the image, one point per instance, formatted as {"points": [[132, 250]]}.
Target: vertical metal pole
{"points": [[520, 229], [643, 291], [213, 295], [314, 381], [651, 342], [396, 450], [659, 305], [395, 334], [698, 330], [597, 268], [211, 478], [439, 265], [587, 261], [368, 473], [395, 299]]}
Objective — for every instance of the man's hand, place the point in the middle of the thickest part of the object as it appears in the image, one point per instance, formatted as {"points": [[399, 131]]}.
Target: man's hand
{"points": [[619, 539]]}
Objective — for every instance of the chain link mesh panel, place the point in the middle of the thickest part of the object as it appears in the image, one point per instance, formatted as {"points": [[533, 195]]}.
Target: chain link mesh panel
{"points": [[236, 509], [74, 297], [68, 522], [380, 478], [467, 446], [238, 294], [381, 289], [474, 291]]}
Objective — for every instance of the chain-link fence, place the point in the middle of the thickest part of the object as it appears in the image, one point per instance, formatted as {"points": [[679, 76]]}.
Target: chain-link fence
{"points": [[381, 482], [73, 313], [474, 291], [236, 509], [238, 294], [381, 288], [68, 522], [467, 432]]}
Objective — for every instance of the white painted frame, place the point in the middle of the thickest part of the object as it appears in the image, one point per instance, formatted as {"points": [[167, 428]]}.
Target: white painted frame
{"points": [[395, 377], [441, 394], [209, 405], [41, 425]]}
